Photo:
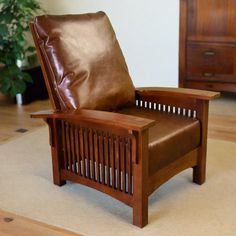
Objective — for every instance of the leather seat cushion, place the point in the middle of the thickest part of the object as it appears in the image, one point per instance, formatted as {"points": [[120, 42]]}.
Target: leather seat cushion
{"points": [[85, 61], [172, 136]]}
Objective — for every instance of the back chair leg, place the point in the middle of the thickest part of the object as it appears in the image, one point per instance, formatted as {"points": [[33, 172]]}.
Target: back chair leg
{"points": [[199, 171]]}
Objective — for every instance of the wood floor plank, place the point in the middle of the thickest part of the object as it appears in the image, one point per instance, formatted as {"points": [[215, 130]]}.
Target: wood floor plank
{"points": [[14, 225], [222, 127], [14, 117]]}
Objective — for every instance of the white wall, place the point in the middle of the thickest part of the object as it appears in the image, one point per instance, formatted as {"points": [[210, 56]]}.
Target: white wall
{"points": [[147, 32]]}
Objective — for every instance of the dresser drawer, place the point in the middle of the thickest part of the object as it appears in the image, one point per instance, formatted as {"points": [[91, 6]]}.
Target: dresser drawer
{"points": [[210, 62]]}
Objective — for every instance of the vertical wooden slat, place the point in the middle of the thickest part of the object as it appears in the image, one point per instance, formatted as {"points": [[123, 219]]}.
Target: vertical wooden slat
{"points": [[112, 160], [122, 160], [86, 153], [133, 161], [81, 131], [77, 151], [96, 155], [68, 146], [72, 141], [64, 145], [91, 150], [101, 157], [117, 162], [107, 163], [128, 164]]}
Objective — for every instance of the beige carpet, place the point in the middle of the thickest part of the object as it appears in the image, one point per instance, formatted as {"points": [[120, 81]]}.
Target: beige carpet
{"points": [[178, 208]]}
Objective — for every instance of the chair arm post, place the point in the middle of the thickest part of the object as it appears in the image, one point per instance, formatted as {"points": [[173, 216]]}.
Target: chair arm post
{"points": [[56, 150], [140, 178], [49, 122], [199, 172]]}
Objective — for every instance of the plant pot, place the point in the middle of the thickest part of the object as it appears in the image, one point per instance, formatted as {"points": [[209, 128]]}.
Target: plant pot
{"points": [[22, 63], [19, 99]]}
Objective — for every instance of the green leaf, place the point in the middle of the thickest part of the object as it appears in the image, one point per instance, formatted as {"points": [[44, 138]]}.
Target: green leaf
{"points": [[17, 86], [6, 17], [5, 87], [14, 18], [26, 77], [14, 69], [5, 74], [3, 30]]}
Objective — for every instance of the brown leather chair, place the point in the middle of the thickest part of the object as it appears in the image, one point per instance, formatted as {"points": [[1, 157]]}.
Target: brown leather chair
{"points": [[104, 133]]}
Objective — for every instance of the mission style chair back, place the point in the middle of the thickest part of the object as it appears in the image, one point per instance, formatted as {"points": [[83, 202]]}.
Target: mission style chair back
{"points": [[104, 133]]}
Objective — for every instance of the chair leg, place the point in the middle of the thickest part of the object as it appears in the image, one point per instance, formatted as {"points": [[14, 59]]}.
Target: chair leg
{"points": [[199, 171], [140, 176], [140, 212], [57, 180], [55, 143]]}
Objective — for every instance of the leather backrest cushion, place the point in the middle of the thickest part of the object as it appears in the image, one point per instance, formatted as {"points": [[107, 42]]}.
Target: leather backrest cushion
{"points": [[86, 61]]}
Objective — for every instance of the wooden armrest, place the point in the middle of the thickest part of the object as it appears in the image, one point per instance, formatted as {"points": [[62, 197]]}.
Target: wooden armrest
{"points": [[180, 92], [99, 117]]}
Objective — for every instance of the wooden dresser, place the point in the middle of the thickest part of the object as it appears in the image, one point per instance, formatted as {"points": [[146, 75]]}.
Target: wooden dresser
{"points": [[208, 44]]}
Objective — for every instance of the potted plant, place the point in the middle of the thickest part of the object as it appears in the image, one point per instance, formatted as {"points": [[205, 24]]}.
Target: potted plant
{"points": [[14, 47]]}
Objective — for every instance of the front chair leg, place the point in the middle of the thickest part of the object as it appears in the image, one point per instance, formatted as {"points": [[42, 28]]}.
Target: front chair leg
{"points": [[140, 211], [140, 203], [56, 150]]}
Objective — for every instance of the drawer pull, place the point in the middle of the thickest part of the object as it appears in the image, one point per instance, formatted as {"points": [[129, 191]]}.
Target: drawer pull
{"points": [[208, 74], [209, 53]]}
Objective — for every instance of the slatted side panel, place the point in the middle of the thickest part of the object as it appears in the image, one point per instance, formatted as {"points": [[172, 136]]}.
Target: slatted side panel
{"points": [[99, 156], [167, 108]]}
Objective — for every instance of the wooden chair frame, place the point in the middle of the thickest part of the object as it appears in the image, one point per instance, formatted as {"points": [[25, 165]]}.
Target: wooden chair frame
{"points": [[108, 151]]}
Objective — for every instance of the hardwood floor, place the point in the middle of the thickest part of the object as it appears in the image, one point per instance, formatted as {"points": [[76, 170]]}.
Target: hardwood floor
{"points": [[17, 118], [222, 125], [222, 118], [14, 225]]}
